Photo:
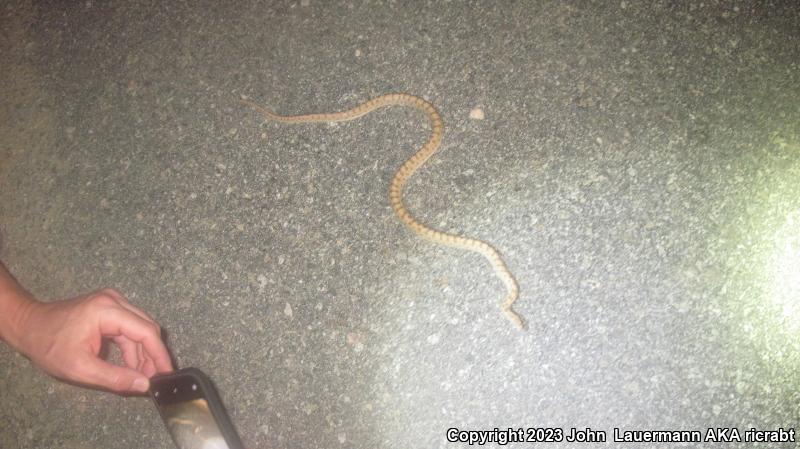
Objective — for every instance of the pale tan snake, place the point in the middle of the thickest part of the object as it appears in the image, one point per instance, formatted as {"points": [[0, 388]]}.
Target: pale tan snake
{"points": [[404, 173]]}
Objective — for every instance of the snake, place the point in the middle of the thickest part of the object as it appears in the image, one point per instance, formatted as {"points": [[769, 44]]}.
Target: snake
{"points": [[404, 173]]}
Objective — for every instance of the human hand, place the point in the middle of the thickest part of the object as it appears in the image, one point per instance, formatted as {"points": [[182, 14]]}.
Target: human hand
{"points": [[65, 337]]}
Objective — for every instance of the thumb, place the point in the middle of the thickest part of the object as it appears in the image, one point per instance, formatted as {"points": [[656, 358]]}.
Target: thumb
{"points": [[112, 377]]}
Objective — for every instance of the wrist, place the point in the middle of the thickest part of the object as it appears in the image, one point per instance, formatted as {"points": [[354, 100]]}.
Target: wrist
{"points": [[15, 305]]}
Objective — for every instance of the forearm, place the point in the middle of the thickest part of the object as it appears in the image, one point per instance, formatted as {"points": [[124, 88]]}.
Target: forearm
{"points": [[14, 302]]}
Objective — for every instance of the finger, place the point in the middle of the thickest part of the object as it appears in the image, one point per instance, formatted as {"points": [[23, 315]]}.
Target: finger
{"points": [[123, 322], [161, 365], [145, 367], [140, 354], [95, 371], [148, 367], [130, 351]]}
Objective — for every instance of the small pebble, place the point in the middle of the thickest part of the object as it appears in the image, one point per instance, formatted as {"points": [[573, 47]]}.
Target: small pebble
{"points": [[477, 114], [288, 310], [262, 282]]}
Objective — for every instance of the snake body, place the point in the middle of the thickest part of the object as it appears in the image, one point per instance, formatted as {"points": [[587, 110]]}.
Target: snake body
{"points": [[411, 165]]}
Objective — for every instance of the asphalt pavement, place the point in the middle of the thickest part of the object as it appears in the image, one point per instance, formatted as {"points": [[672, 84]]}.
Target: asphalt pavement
{"points": [[636, 163]]}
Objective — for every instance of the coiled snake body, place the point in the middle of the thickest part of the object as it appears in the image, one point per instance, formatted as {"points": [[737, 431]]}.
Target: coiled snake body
{"points": [[404, 173]]}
